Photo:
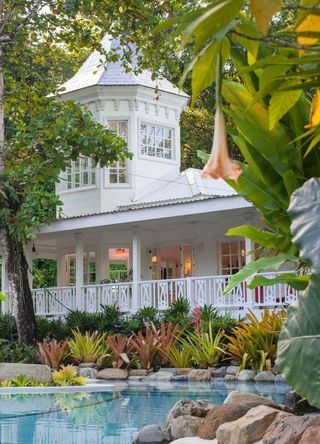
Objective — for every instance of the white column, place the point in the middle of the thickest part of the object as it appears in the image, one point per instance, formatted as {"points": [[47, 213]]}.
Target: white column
{"points": [[79, 270], [101, 267], [136, 271]]}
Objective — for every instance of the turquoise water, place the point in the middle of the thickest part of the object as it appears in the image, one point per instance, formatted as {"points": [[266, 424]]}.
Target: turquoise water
{"points": [[105, 417]]}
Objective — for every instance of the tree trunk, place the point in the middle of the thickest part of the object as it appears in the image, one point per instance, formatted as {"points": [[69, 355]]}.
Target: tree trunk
{"points": [[19, 290], [1, 114]]}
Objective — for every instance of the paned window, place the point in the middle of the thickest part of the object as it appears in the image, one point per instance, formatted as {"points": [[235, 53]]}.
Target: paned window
{"points": [[118, 171], [81, 173], [233, 256], [156, 141]]}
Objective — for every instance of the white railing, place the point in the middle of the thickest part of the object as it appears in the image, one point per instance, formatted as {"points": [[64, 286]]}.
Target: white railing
{"points": [[161, 293]]}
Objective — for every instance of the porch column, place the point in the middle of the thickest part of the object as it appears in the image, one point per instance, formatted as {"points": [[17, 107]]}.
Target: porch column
{"points": [[136, 270], [79, 270], [249, 246], [101, 268]]}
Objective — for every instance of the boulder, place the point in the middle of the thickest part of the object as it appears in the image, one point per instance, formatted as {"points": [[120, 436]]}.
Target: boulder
{"points": [[112, 373], [219, 415], [179, 378], [172, 370], [232, 370], [199, 375], [87, 365], [194, 440], [310, 436], [151, 434], [184, 426], [189, 407], [249, 400], [87, 372], [183, 371], [280, 379], [230, 378], [297, 404], [219, 372], [289, 430], [265, 376], [160, 376], [37, 372], [139, 372], [246, 375], [250, 428]]}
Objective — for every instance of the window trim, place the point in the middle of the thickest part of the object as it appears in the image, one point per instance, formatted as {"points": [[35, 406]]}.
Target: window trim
{"points": [[160, 125], [82, 187], [107, 183]]}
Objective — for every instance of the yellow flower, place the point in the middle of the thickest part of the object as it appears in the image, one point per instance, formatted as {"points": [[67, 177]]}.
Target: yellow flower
{"points": [[220, 165]]}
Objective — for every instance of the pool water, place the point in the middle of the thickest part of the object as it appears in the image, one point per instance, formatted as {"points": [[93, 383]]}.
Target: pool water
{"points": [[111, 416]]}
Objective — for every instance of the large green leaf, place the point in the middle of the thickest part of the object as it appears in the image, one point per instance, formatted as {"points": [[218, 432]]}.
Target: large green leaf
{"points": [[281, 102], [299, 343], [265, 263], [2, 297], [297, 282], [262, 237]]}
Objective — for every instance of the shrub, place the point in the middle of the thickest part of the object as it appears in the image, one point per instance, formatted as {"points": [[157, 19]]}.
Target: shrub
{"points": [[87, 347], [121, 349], [145, 346], [144, 315], [179, 357], [111, 320], [51, 329], [178, 312], [83, 321], [254, 344], [8, 327], [167, 337], [52, 353], [67, 376], [21, 381], [11, 351]]}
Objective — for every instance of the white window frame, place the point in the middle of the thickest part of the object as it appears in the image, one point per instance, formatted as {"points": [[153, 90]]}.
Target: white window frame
{"points": [[81, 167], [144, 155], [118, 168], [241, 255]]}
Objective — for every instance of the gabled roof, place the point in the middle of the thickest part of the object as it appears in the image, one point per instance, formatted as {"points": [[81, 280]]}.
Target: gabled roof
{"points": [[93, 73]]}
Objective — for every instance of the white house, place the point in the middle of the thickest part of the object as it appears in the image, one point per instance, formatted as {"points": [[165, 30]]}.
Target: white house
{"points": [[142, 233]]}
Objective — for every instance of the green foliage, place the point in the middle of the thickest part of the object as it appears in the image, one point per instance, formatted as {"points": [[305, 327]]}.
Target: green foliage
{"points": [[44, 273], [11, 351], [87, 347], [212, 319], [21, 381], [67, 376], [52, 329], [254, 343], [298, 357], [8, 328], [178, 312], [83, 321], [52, 353], [121, 351], [179, 357], [144, 315], [145, 346]]}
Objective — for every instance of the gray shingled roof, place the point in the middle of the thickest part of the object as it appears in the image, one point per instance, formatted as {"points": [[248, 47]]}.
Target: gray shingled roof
{"points": [[113, 74]]}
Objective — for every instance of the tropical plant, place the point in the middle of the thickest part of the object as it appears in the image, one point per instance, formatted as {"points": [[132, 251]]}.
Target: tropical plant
{"points": [[167, 337], [11, 351], [87, 347], [21, 381], [254, 343], [146, 315], [82, 321], [179, 357], [145, 346], [111, 320], [178, 311], [52, 353], [8, 328], [204, 348], [51, 329], [121, 349], [67, 376]]}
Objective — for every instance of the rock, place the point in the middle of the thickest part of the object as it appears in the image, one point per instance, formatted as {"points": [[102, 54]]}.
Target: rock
{"points": [[289, 430], [219, 415], [37, 372], [280, 379], [219, 372], [160, 376], [250, 428], [194, 440], [230, 378], [310, 436], [139, 372], [87, 365], [87, 372], [189, 407], [199, 375], [265, 376], [184, 426], [297, 404], [112, 373], [249, 400], [171, 370], [151, 434], [246, 375], [179, 378], [183, 371], [136, 378], [232, 370]]}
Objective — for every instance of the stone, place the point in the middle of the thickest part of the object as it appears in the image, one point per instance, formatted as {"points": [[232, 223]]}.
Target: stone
{"points": [[310, 436], [246, 375], [136, 378], [37, 372], [232, 370], [280, 379], [178, 378], [183, 371], [219, 415], [219, 372], [172, 370], [298, 405], [139, 372], [250, 427], [184, 426], [189, 407], [249, 400], [199, 375], [87, 365], [194, 440], [160, 376], [87, 372], [265, 376], [151, 434], [112, 373], [230, 378], [289, 430]]}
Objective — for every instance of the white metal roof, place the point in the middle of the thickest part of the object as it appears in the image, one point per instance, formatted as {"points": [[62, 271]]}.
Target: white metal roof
{"points": [[93, 72]]}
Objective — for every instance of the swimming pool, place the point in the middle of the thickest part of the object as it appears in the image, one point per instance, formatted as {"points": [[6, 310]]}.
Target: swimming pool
{"points": [[112, 415]]}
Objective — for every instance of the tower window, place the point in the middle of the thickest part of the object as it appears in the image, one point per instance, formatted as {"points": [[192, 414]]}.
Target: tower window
{"points": [[156, 141], [81, 173], [118, 171]]}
